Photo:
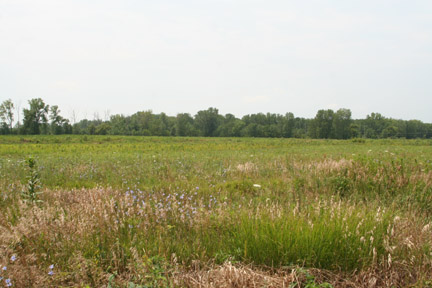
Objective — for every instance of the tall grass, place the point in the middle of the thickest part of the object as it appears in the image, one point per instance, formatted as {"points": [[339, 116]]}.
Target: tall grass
{"points": [[327, 236], [146, 208]]}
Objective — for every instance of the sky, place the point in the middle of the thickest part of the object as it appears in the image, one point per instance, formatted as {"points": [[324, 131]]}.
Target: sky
{"points": [[105, 57]]}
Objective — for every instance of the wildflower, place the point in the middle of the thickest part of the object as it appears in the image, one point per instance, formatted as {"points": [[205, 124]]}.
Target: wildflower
{"points": [[13, 258], [51, 266], [4, 268], [8, 282], [51, 272]]}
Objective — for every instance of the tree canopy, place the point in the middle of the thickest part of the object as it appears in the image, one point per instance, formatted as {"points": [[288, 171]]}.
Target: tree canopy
{"points": [[40, 118]]}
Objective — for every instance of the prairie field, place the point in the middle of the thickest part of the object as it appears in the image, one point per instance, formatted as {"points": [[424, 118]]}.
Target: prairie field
{"points": [[111, 211]]}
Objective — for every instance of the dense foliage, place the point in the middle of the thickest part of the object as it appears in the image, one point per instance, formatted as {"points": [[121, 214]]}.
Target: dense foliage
{"points": [[40, 118]]}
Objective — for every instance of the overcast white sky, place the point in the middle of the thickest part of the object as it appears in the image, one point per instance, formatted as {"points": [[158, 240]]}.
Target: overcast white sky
{"points": [[240, 56]]}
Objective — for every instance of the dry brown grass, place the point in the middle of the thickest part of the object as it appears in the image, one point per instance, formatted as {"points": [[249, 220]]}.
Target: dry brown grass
{"points": [[330, 165], [247, 168], [234, 276], [55, 230], [229, 275]]}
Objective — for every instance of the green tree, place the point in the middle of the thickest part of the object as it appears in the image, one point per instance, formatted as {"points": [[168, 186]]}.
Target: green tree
{"points": [[6, 115], [57, 122], [207, 121], [354, 130], [184, 125], [415, 129], [160, 125], [374, 124], [119, 125], [230, 126], [301, 127], [288, 123], [322, 125], [341, 124], [390, 132], [35, 118], [102, 129], [428, 130], [141, 123]]}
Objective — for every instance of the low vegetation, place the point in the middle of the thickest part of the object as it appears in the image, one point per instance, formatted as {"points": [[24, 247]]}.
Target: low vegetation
{"points": [[92, 211]]}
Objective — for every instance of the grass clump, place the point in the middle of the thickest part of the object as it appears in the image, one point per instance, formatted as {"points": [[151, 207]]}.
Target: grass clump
{"points": [[330, 236]]}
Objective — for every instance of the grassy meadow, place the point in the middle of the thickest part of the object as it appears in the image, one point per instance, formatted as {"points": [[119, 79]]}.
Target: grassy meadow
{"points": [[107, 211]]}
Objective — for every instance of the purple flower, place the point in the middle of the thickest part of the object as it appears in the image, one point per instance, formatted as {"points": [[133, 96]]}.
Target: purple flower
{"points": [[8, 282], [13, 258], [4, 268], [50, 273], [51, 266]]}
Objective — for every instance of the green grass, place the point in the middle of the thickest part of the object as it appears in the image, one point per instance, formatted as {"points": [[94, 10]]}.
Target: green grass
{"points": [[112, 203]]}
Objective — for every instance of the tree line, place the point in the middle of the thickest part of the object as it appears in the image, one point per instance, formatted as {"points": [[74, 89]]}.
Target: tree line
{"points": [[40, 118]]}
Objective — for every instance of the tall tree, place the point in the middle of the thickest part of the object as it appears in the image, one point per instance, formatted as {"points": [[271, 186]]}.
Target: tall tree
{"points": [[35, 117], [184, 125], [374, 124], [341, 124], [120, 125], [288, 122], [208, 121], [57, 121], [322, 126], [230, 126], [6, 114], [415, 129]]}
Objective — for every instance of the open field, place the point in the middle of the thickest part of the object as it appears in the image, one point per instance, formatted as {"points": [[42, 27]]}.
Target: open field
{"points": [[216, 212]]}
